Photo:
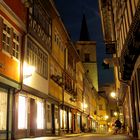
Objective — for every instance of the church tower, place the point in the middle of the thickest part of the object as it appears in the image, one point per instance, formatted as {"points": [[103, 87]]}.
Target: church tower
{"points": [[87, 51]]}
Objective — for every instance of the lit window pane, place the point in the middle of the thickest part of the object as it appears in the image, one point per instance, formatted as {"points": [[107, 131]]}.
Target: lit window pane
{"points": [[70, 118], [3, 110], [40, 118], [22, 113], [65, 119]]}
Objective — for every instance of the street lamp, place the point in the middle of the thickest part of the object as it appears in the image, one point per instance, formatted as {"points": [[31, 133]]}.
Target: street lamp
{"points": [[28, 70], [113, 94], [106, 117], [115, 113]]}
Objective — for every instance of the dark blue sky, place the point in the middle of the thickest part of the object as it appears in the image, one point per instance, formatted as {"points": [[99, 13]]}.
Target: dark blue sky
{"points": [[71, 12]]}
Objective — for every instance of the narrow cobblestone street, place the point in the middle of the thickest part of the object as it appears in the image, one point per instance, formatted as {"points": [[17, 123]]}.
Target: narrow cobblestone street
{"points": [[69, 69], [86, 136]]}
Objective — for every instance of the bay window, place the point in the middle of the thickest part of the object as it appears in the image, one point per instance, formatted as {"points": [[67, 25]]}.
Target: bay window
{"points": [[11, 40]]}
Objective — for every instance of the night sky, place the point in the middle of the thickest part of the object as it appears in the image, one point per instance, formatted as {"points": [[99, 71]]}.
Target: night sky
{"points": [[71, 12]]}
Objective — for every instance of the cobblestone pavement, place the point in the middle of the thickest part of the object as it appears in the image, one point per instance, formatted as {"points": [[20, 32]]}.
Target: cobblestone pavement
{"points": [[84, 136]]}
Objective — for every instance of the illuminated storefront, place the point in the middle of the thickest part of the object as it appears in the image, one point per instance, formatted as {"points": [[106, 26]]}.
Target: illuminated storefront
{"points": [[22, 112], [6, 103], [30, 115], [40, 115], [66, 121], [3, 109]]}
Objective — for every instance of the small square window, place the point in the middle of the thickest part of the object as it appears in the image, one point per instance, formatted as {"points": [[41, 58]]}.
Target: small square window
{"points": [[87, 57]]}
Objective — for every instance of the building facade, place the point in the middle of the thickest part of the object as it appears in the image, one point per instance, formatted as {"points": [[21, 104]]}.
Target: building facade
{"points": [[12, 30], [120, 24], [44, 86]]}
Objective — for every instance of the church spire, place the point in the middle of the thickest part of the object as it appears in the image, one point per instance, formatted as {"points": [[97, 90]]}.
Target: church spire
{"points": [[84, 34]]}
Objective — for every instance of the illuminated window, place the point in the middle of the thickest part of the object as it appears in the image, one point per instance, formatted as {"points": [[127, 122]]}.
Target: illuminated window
{"points": [[70, 120], [11, 40], [65, 119], [16, 46], [3, 110], [38, 58], [40, 116], [6, 38], [22, 113]]}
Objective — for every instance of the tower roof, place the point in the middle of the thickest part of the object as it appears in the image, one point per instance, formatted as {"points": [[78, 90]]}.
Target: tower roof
{"points": [[84, 34]]}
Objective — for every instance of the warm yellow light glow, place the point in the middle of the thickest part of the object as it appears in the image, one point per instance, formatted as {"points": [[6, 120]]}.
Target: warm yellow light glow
{"points": [[64, 118], [109, 130], [121, 114], [28, 70], [22, 113], [113, 94], [106, 117], [3, 110], [115, 113], [40, 116], [70, 118], [61, 118], [84, 105]]}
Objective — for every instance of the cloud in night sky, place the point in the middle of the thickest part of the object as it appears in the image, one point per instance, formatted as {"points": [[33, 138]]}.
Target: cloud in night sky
{"points": [[71, 12]]}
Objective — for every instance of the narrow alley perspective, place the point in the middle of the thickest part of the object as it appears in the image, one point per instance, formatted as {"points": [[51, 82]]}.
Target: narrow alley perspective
{"points": [[87, 136], [69, 69]]}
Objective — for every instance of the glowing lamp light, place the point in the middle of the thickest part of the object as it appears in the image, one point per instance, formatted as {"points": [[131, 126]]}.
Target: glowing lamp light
{"points": [[109, 130], [28, 70], [84, 105], [106, 117], [115, 113], [113, 94]]}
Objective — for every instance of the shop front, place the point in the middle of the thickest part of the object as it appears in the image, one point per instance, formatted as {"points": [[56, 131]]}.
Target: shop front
{"points": [[7, 92], [6, 108], [29, 113], [65, 120], [3, 112], [84, 122]]}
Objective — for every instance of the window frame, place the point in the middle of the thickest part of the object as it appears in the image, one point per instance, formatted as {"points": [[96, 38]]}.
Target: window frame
{"points": [[10, 32], [38, 58]]}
